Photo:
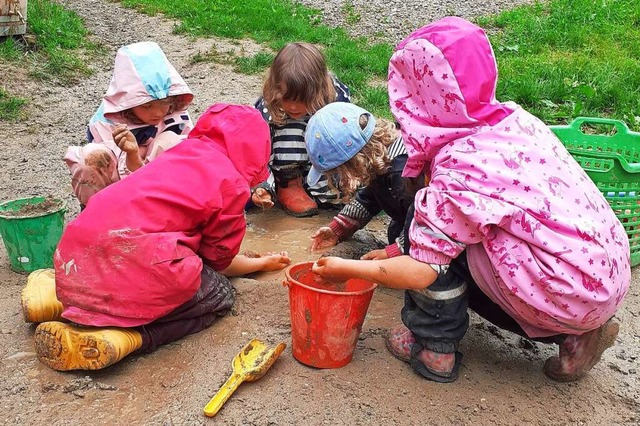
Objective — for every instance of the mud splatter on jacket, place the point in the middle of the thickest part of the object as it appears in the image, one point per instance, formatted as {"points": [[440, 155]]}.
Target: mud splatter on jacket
{"points": [[136, 252]]}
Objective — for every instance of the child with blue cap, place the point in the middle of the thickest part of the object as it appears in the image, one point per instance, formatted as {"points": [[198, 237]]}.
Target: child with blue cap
{"points": [[364, 156]]}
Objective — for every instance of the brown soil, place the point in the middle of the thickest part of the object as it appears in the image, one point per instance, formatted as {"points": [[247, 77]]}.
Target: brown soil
{"points": [[34, 208], [501, 382]]}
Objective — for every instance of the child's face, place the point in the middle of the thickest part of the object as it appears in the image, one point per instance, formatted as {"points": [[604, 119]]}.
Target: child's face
{"points": [[294, 109], [152, 112]]}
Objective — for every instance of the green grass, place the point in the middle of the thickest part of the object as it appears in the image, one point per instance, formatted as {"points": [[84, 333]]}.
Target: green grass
{"points": [[274, 23], [60, 36], [559, 59], [10, 106], [54, 49], [566, 58], [59, 47]]}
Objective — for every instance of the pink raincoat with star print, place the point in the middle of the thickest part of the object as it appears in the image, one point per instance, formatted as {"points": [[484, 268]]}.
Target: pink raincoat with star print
{"points": [[540, 239]]}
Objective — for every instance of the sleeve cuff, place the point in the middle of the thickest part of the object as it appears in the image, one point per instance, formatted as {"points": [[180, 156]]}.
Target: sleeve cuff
{"points": [[340, 231], [393, 250]]}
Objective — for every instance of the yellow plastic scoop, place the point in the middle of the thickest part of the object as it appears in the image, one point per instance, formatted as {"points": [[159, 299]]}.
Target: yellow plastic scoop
{"points": [[251, 363]]}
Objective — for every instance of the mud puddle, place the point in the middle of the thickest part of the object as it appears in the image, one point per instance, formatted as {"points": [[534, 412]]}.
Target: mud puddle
{"points": [[274, 231]]}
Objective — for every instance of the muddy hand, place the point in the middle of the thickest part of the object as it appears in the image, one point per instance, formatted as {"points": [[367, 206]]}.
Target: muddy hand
{"points": [[275, 261], [125, 140], [98, 160], [262, 198], [375, 255], [324, 237], [330, 268]]}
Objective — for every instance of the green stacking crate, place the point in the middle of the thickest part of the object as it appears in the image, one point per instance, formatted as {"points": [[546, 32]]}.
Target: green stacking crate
{"points": [[612, 161]]}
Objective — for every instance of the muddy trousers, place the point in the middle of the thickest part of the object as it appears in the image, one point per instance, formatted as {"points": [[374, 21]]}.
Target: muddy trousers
{"points": [[213, 299], [438, 318]]}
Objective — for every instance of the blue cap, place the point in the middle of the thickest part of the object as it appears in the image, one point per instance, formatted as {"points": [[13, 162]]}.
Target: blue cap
{"points": [[334, 136]]}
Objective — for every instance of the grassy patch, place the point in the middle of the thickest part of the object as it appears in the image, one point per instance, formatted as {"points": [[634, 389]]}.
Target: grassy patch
{"points": [[213, 55], [10, 106], [558, 58], [275, 23], [254, 64], [565, 58], [59, 47]]}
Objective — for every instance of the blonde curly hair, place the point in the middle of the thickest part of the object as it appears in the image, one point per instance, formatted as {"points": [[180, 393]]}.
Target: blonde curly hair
{"points": [[298, 73], [369, 163]]}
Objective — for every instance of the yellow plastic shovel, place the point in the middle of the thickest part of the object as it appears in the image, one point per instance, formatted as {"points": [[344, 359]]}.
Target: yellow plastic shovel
{"points": [[251, 363]]}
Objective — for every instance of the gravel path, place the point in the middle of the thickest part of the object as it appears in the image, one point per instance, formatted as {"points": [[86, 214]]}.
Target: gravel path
{"points": [[392, 20]]}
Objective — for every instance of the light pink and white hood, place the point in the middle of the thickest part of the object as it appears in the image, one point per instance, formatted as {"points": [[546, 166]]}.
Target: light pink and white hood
{"points": [[142, 73], [541, 240]]}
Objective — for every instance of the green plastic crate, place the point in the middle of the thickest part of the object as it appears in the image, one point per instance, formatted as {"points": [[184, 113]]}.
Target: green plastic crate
{"points": [[612, 161]]}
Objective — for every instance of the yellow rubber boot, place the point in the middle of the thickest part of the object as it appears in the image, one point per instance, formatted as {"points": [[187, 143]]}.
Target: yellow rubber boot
{"points": [[39, 302], [65, 347]]}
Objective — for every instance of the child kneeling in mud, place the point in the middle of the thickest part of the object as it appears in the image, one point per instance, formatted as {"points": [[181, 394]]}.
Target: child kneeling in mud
{"points": [[508, 225], [146, 262]]}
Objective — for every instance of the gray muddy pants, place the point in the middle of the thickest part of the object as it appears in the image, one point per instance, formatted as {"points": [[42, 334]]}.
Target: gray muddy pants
{"points": [[214, 299]]}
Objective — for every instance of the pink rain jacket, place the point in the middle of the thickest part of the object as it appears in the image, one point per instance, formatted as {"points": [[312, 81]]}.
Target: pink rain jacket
{"points": [[142, 73], [136, 252], [541, 240]]}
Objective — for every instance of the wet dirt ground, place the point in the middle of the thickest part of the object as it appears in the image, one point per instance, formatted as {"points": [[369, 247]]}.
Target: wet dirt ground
{"points": [[501, 382]]}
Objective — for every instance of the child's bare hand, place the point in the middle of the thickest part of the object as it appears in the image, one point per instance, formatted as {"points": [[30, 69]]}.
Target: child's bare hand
{"points": [[262, 198], [323, 238], [275, 261], [375, 255], [329, 268], [125, 140]]}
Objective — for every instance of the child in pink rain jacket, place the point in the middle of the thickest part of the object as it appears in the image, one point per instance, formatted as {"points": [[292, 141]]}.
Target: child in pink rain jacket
{"points": [[508, 225], [146, 262], [142, 114]]}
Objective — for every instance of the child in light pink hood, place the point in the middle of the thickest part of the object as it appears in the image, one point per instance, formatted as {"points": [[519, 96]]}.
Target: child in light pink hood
{"points": [[142, 114], [508, 225]]}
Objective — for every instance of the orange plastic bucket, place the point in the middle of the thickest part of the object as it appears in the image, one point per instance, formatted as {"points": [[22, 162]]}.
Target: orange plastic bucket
{"points": [[326, 317]]}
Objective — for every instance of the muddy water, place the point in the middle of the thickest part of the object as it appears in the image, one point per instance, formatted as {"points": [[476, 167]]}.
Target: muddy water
{"points": [[273, 230]]}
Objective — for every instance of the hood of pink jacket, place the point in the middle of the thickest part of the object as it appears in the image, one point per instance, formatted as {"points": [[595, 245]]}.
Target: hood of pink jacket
{"points": [[442, 84], [241, 134], [142, 73]]}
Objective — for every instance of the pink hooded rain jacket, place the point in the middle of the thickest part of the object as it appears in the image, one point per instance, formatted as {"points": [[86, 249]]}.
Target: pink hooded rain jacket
{"points": [[541, 240], [136, 252]]}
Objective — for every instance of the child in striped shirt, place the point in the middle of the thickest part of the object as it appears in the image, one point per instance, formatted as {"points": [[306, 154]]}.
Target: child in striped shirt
{"points": [[298, 85]]}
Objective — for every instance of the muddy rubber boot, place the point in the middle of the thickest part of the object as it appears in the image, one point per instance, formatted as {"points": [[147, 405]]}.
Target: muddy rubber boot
{"points": [[64, 347], [294, 199], [399, 342], [39, 302], [578, 354], [440, 367]]}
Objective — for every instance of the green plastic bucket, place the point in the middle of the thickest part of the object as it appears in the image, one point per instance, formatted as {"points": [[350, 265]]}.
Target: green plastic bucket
{"points": [[31, 229]]}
